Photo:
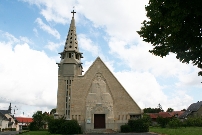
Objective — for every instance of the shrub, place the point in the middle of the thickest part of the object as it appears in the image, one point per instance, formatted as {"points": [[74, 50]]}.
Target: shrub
{"points": [[33, 127], [175, 123], [25, 128], [163, 121], [139, 125], [62, 126], [71, 127], [193, 121], [54, 126], [125, 128]]}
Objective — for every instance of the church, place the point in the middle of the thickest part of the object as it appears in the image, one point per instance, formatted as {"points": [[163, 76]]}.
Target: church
{"points": [[97, 100]]}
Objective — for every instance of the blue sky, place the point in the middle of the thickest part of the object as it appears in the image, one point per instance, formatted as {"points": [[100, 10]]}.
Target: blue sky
{"points": [[33, 32]]}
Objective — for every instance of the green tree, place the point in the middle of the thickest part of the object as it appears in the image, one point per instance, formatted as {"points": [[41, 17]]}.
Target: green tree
{"points": [[175, 26], [53, 111], [38, 119], [160, 107], [170, 110], [152, 110]]}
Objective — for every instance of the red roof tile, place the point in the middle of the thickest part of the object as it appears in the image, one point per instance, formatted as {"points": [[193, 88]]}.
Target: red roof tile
{"points": [[153, 115], [24, 119], [165, 114], [178, 113]]}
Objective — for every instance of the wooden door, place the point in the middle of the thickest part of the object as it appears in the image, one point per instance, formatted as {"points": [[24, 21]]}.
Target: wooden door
{"points": [[99, 120]]}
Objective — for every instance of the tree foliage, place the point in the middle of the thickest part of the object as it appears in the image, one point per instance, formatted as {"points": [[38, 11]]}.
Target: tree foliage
{"points": [[163, 121], [154, 110], [53, 111], [39, 120], [170, 110], [175, 26]]}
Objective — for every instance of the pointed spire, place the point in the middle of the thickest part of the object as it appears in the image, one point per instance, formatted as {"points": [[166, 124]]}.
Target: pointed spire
{"points": [[71, 43]]}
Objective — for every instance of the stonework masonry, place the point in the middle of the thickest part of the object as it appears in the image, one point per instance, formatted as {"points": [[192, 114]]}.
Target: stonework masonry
{"points": [[97, 100]]}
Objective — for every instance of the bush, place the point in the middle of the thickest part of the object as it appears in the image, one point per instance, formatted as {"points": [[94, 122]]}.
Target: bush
{"points": [[25, 128], [163, 121], [139, 125], [193, 121], [62, 126], [175, 123], [33, 127], [54, 126], [71, 127], [125, 128]]}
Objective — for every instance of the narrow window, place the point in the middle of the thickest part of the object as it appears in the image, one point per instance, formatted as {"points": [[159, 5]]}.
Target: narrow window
{"points": [[69, 55]]}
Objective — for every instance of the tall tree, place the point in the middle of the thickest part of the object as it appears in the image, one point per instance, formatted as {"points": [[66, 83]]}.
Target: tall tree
{"points": [[38, 119], [170, 110], [175, 26], [53, 111]]}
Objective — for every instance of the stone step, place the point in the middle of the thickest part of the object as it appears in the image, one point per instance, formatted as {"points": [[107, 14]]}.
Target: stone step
{"points": [[101, 131]]}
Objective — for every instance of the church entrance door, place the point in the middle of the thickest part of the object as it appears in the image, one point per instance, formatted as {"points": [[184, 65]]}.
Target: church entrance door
{"points": [[99, 120]]}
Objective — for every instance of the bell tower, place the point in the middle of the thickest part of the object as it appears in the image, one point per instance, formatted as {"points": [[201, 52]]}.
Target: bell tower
{"points": [[70, 65]]}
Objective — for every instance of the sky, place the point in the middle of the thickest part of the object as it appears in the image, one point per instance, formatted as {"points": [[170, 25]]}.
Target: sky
{"points": [[33, 32]]}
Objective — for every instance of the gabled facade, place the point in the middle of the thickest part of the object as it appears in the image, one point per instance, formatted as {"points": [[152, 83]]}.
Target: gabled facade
{"points": [[7, 120], [193, 110], [97, 100]]}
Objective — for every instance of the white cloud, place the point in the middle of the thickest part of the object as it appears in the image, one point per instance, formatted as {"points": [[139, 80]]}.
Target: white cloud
{"points": [[28, 77], [47, 28], [55, 11], [88, 45], [121, 19], [147, 92], [53, 46], [25, 40], [35, 32]]}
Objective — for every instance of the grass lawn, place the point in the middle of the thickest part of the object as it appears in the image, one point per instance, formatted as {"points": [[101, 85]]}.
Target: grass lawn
{"points": [[38, 133], [177, 131]]}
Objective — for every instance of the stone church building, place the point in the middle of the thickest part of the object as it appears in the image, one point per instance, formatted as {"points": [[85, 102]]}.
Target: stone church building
{"points": [[97, 100]]}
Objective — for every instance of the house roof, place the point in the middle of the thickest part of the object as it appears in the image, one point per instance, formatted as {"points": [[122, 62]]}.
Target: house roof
{"points": [[165, 114], [178, 113], [24, 119], [4, 112], [192, 108], [153, 115]]}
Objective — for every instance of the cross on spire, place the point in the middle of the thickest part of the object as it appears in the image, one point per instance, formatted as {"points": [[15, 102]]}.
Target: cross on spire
{"points": [[73, 13]]}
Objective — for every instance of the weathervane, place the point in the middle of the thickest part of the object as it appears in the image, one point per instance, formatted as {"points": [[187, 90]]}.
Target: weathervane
{"points": [[73, 11]]}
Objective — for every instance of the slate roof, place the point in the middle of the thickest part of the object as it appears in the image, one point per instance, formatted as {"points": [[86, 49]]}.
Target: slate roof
{"points": [[4, 112], [192, 108]]}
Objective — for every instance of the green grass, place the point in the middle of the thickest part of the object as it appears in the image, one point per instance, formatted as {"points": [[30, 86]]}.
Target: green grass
{"points": [[177, 131], [38, 133]]}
